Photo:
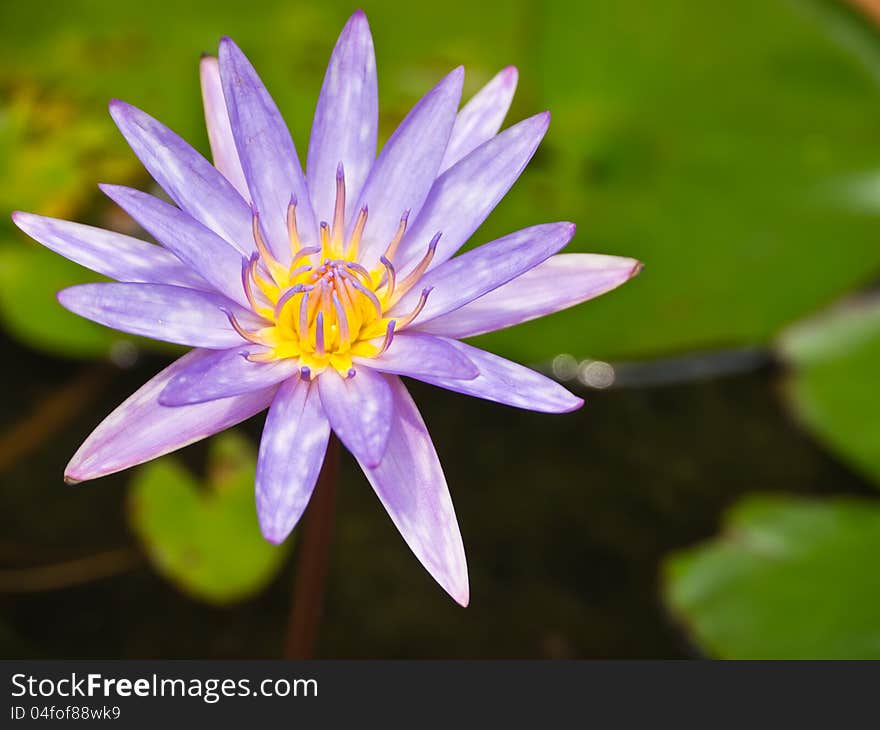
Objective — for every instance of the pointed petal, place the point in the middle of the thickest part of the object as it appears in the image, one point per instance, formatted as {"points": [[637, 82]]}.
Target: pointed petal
{"points": [[419, 355], [190, 180], [480, 119], [120, 257], [167, 313], [560, 282], [474, 273], [265, 148], [401, 177], [219, 130], [506, 382], [466, 193], [224, 373], [194, 244], [359, 410], [346, 120], [410, 484], [141, 429], [291, 453]]}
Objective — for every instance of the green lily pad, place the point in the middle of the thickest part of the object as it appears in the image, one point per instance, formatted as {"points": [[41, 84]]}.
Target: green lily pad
{"points": [[205, 537], [716, 142], [786, 579], [30, 276], [832, 389]]}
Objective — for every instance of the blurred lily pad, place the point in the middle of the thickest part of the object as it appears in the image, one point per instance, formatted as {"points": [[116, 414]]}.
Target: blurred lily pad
{"points": [[30, 276], [52, 152], [786, 579], [715, 142], [205, 537], [832, 389]]}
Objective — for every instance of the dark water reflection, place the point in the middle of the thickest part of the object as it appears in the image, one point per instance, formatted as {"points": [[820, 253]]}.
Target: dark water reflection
{"points": [[565, 520]]}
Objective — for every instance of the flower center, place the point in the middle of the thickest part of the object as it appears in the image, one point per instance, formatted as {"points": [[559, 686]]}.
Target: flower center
{"points": [[325, 308]]}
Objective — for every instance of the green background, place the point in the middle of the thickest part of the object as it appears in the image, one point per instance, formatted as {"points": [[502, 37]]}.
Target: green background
{"points": [[732, 147]]}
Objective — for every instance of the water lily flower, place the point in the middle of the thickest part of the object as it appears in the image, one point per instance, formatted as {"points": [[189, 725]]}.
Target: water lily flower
{"points": [[311, 292]]}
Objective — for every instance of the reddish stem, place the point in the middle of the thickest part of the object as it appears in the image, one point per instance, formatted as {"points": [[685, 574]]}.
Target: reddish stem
{"points": [[313, 553]]}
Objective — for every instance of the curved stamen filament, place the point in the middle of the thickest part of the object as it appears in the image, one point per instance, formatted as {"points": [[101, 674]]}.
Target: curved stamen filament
{"points": [[417, 310], [339, 210], [303, 316], [354, 316], [390, 276], [413, 276], [325, 237], [287, 296], [398, 236], [355, 241], [253, 337], [267, 289], [315, 300], [261, 357], [319, 335], [358, 269], [293, 273], [303, 252], [246, 281], [389, 337], [341, 322], [292, 232], [276, 270], [374, 300]]}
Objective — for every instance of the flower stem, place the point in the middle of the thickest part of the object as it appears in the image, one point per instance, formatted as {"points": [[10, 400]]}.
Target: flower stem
{"points": [[313, 553]]}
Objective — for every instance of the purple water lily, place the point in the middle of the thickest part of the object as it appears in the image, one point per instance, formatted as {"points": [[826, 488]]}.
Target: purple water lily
{"points": [[312, 293]]}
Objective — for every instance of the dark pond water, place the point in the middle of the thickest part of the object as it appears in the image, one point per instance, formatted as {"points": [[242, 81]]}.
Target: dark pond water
{"points": [[565, 520]]}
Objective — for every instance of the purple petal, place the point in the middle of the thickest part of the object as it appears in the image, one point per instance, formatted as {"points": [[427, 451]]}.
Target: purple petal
{"points": [[480, 119], [346, 120], [224, 373], [469, 276], [194, 244], [291, 453], [464, 195], [168, 313], [506, 382], [421, 356], [560, 282], [265, 148], [359, 410], [141, 429], [219, 130], [111, 254], [410, 484], [189, 179], [401, 177]]}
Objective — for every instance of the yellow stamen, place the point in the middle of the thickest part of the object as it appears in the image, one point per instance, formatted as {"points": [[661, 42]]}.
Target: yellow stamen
{"points": [[322, 312], [397, 237]]}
